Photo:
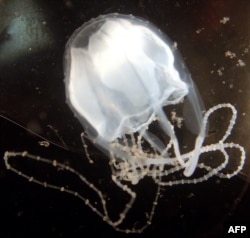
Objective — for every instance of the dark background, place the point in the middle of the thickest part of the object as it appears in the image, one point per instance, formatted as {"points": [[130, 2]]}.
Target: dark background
{"points": [[33, 35]]}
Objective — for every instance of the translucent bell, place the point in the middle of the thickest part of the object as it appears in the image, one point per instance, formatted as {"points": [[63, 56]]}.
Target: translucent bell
{"points": [[120, 71]]}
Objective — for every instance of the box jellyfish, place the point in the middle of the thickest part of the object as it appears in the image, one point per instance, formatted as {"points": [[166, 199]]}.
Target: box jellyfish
{"points": [[120, 73], [121, 76]]}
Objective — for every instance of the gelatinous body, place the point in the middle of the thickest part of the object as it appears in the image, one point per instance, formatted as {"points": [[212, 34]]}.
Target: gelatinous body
{"points": [[121, 73]]}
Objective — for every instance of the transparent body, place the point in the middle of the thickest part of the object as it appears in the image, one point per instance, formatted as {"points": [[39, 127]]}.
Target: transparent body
{"points": [[120, 71]]}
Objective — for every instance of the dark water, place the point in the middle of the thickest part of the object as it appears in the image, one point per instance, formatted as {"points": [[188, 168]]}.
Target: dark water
{"points": [[33, 35]]}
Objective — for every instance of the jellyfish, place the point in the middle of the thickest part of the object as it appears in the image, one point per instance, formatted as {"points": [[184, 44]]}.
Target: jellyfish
{"points": [[121, 74]]}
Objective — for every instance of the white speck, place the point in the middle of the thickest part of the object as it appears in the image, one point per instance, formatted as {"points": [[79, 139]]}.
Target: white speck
{"points": [[230, 54], [224, 20], [44, 143], [175, 45], [231, 85], [246, 50], [240, 63], [220, 71], [199, 30], [191, 195]]}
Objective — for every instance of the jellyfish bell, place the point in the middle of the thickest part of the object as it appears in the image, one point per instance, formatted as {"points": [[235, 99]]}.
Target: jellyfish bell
{"points": [[120, 71]]}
